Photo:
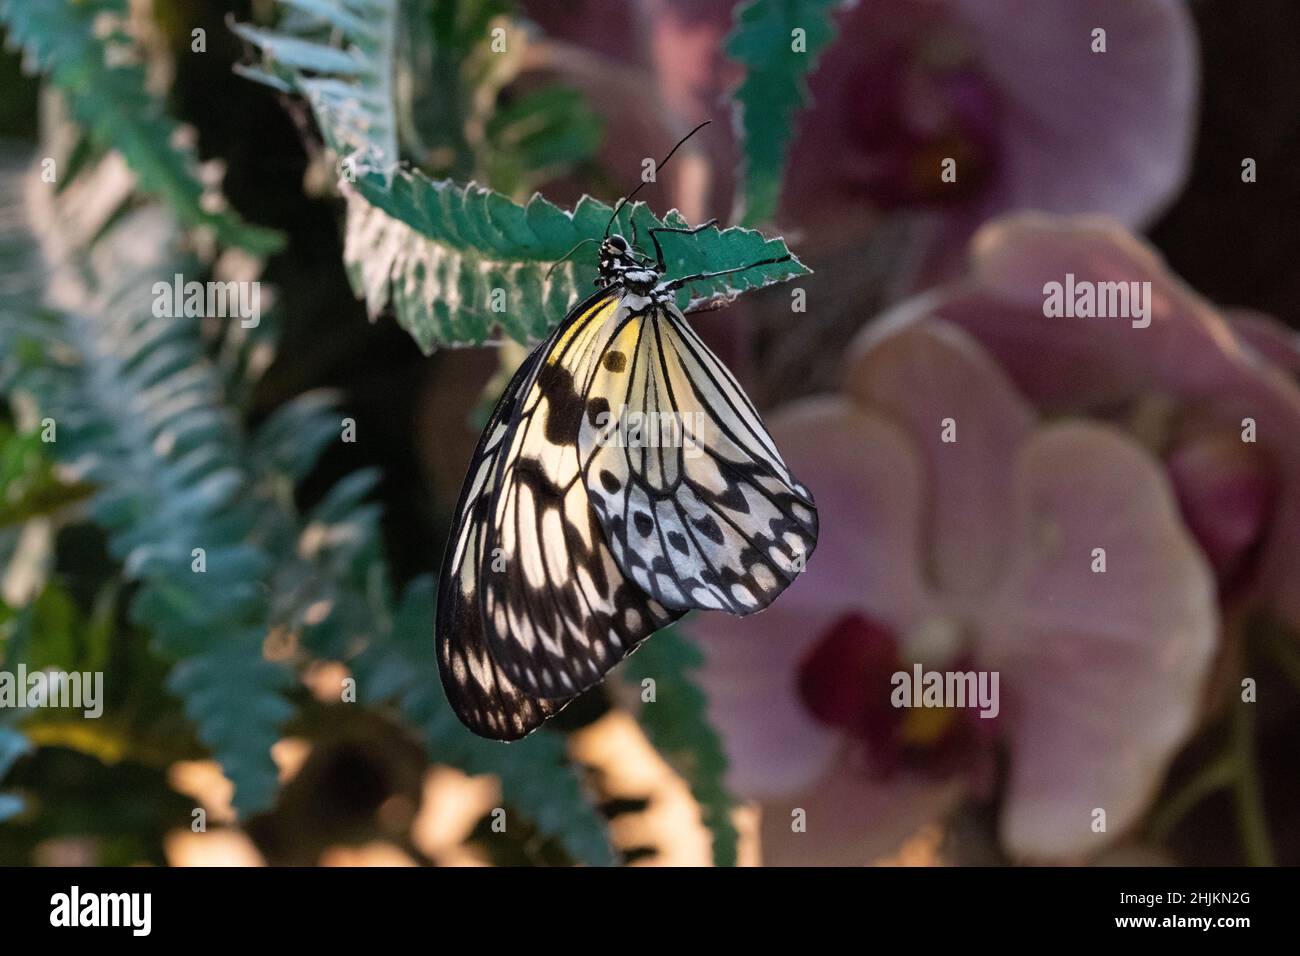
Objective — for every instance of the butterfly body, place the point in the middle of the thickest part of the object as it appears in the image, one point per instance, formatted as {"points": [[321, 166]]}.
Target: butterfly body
{"points": [[576, 537]]}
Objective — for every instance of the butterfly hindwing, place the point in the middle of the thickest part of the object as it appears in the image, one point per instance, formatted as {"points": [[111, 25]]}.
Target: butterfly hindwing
{"points": [[696, 503]]}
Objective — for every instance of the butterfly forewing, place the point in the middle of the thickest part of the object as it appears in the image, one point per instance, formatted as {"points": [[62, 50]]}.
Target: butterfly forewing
{"points": [[557, 610], [483, 697]]}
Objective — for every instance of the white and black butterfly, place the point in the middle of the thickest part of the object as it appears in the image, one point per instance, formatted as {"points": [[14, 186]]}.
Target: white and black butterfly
{"points": [[571, 544]]}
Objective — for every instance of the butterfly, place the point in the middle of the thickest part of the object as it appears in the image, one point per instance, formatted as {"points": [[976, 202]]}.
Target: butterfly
{"points": [[576, 537]]}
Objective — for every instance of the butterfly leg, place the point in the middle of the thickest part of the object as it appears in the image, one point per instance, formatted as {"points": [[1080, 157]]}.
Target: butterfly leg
{"points": [[687, 280], [654, 237]]}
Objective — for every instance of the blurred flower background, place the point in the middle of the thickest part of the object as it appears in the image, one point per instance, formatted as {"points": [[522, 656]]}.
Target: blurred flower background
{"points": [[1103, 511]]}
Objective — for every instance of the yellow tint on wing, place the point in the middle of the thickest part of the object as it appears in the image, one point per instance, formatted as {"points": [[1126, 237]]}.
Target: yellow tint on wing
{"points": [[588, 322]]}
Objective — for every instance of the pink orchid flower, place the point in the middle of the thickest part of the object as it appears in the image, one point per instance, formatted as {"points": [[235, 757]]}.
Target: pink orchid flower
{"points": [[1015, 91], [1213, 394], [962, 532]]}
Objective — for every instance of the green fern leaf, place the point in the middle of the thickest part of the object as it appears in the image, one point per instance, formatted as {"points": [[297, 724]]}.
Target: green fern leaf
{"points": [[439, 252], [141, 415], [350, 89], [677, 724], [294, 436], [536, 777], [236, 700], [777, 60], [86, 53]]}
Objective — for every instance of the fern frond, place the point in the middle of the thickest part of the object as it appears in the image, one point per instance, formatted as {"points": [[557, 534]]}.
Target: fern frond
{"points": [[458, 261], [294, 436], [536, 777], [340, 56], [140, 414], [86, 52], [677, 724], [778, 42]]}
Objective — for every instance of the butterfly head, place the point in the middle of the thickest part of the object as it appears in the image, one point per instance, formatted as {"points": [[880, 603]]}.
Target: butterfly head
{"points": [[620, 264], [615, 255]]}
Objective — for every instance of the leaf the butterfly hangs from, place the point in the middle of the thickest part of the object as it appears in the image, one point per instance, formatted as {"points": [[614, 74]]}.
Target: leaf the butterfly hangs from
{"points": [[623, 479]]}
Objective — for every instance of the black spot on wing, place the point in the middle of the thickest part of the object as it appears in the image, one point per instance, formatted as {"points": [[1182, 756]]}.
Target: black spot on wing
{"points": [[596, 408], [734, 499], [644, 523], [708, 526], [564, 404]]}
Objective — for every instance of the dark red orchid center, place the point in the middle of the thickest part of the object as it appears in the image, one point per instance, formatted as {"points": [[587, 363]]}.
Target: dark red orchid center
{"points": [[846, 681], [917, 107]]}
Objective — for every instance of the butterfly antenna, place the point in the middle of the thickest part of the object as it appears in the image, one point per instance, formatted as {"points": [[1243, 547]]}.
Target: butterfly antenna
{"points": [[662, 163], [557, 262]]}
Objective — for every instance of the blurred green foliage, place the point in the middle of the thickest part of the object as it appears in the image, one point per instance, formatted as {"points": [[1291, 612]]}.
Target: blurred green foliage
{"points": [[681, 730], [85, 50], [777, 41]]}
